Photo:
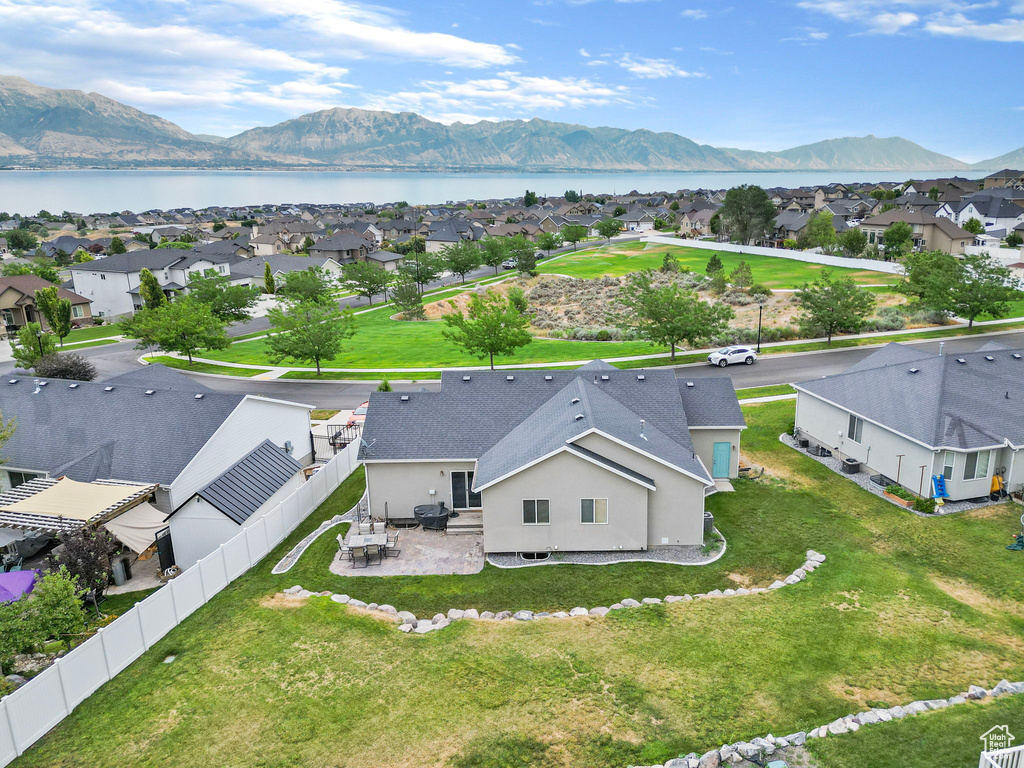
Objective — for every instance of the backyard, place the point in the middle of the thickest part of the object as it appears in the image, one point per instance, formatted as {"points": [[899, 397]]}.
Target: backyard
{"points": [[904, 608]]}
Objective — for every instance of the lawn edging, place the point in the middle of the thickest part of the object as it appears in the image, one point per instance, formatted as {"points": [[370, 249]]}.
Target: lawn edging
{"points": [[408, 623]]}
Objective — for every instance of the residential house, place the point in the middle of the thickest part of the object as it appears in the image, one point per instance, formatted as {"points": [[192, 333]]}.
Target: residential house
{"points": [[697, 223], [18, 302], [930, 233], [343, 248], [1004, 178], [592, 459], [252, 271], [911, 415], [993, 211], [80, 430], [637, 220]]}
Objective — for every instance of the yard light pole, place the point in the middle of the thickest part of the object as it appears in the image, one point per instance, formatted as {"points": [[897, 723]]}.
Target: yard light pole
{"points": [[760, 308], [39, 341]]}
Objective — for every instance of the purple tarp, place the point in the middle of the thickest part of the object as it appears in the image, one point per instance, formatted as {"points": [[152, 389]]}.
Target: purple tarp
{"points": [[15, 584]]}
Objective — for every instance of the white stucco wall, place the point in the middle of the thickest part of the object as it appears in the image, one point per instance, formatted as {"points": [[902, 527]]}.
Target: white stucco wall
{"points": [[401, 486], [704, 444]]}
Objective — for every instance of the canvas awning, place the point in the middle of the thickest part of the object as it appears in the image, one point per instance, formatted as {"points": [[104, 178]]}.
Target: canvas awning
{"points": [[53, 506], [137, 528]]}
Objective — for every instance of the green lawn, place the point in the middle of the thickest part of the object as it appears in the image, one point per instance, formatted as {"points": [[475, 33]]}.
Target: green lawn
{"points": [[617, 260], [1015, 309], [769, 391], [380, 342], [184, 365], [93, 332], [904, 608]]}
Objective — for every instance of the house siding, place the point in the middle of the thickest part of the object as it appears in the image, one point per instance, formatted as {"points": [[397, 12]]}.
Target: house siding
{"points": [[704, 444], [565, 479], [401, 486]]}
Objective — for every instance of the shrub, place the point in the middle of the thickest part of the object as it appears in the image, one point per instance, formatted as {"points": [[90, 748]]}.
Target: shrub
{"points": [[901, 492], [759, 290], [738, 298], [67, 365], [924, 505], [603, 335]]}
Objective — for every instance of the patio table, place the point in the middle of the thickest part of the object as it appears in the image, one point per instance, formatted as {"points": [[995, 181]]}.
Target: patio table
{"points": [[368, 539]]}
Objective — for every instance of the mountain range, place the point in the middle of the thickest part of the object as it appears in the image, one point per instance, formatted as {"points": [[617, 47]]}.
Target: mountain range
{"points": [[46, 127]]}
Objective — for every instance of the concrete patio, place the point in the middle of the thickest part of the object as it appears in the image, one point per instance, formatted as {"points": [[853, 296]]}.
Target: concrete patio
{"points": [[423, 553]]}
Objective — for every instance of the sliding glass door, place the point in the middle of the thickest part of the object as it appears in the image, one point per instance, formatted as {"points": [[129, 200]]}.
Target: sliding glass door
{"points": [[462, 496]]}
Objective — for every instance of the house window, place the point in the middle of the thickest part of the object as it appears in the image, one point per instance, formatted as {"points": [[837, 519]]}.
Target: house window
{"points": [[856, 430], [947, 465], [871, 237], [7, 316], [77, 311], [18, 478], [463, 497], [536, 512], [594, 511], [976, 465], [103, 277]]}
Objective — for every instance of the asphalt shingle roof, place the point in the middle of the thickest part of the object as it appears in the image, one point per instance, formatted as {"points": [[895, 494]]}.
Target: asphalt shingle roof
{"points": [[711, 402], [935, 399], [249, 483]]}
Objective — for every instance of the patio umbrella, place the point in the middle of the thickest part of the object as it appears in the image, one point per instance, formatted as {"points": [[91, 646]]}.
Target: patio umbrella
{"points": [[15, 584]]}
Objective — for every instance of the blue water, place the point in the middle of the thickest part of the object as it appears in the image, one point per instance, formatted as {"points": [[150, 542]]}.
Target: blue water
{"points": [[27, 192]]}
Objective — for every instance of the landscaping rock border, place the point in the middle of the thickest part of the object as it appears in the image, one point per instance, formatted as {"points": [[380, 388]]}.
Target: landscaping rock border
{"points": [[285, 563], [760, 748], [410, 623], [681, 555]]}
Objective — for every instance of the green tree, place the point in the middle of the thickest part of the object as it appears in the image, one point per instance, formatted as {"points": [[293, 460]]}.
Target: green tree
{"points": [[384, 386], [530, 198], [305, 286], [832, 305], [853, 242], [984, 288], [928, 278], [619, 211], [669, 262], [308, 332], [82, 257], [21, 240], [85, 554], [933, 193], [491, 326], [422, 267], [175, 244], [61, 257], [549, 241], [56, 606], [974, 226], [407, 299], [30, 344], [149, 288], [461, 258], [185, 326], [714, 265], [742, 276], [18, 632], [821, 231], [37, 268], [218, 225], [897, 239], [230, 303], [574, 233], [747, 213], [307, 243], [674, 206], [493, 252], [268, 279], [117, 245], [517, 299], [523, 253], [56, 310], [1014, 240], [666, 314], [608, 228], [364, 278], [715, 224], [572, 196]]}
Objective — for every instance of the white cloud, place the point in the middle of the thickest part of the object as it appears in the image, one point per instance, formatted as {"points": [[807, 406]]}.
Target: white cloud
{"points": [[653, 68], [807, 36], [957, 25], [584, 54], [936, 17], [694, 13]]}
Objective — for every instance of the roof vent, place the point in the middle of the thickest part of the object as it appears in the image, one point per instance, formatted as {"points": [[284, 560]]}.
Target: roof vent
{"points": [[108, 389], [42, 383], [549, 378], [574, 400], [578, 417], [466, 378], [12, 381], [689, 385], [150, 391], [510, 378], [404, 398], [1016, 356], [989, 358], [72, 386], [604, 378], [914, 370], [199, 396], [961, 360], [641, 377]]}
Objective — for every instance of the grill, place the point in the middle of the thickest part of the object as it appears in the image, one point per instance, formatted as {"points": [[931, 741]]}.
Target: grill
{"points": [[433, 517]]}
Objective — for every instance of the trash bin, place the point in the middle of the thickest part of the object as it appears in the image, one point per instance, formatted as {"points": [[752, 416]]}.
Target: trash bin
{"points": [[119, 575], [127, 568]]}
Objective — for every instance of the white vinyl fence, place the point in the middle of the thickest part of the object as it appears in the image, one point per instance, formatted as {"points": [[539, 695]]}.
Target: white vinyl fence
{"points": [[1011, 757], [32, 710], [782, 253]]}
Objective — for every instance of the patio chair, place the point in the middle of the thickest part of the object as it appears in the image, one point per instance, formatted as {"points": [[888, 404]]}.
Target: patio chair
{"points": [[359, 554], [373, 551], [392, 549]]}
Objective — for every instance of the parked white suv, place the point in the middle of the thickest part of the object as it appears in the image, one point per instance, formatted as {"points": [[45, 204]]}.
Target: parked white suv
{"points": [[729, 355]]}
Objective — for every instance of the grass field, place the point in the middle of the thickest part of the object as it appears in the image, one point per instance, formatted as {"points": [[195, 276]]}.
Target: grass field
{"points": [[184, 365], [904, 608], [618, 260], [773, 389], [93, 332]]}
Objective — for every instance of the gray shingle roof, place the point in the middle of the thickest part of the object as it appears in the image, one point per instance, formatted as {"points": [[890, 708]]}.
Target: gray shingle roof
{"points": [[158, 376], [467, 418], [88, 433], [936, 400], [249, 483], [711, 402]]}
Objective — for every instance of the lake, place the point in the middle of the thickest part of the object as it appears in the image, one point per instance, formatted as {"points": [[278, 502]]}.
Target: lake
{"points": [[94, 191]]}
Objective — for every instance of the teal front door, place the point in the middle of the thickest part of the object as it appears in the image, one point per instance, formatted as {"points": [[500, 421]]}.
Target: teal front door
{"points": [[721, 460]]}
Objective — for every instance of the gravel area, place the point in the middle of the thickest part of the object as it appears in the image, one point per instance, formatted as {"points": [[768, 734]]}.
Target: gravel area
{"points": [[688, 555], [863, 479]]}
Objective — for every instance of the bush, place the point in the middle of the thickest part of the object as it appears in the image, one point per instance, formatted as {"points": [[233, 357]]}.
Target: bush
{"points": [[759, 290], [901, 492], [603, 335], [67, 365], [924, 505], [738, 298]]}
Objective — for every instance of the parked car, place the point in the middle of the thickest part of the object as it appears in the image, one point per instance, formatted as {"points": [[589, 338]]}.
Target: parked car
{"points": [[509, 264], [729, 355], [358, 415]]}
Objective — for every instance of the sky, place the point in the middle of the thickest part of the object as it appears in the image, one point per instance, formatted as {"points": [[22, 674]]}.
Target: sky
{"points": [[752, 74]]}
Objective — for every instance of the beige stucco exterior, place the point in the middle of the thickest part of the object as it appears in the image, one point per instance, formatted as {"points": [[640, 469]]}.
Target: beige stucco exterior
{"points": [[402, 485], [704, 440]]}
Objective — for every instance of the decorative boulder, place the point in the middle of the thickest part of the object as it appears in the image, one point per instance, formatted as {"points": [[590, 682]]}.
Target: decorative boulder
{"points": [[523, 615], [503, 615], [340, 598], [454, 614], [792, 579], [776, 585], [442, 623], [356, 603], [673, 598], [293, 590], [372, 607], [560, 615], [1003, 686], [629, 602], [406, 627], [438, 617], [599, 611], [579, 612], [936, 704], [651, 601], [797, 739], [710, 760], [487, 615], [388, 609], [742, 591], [816, 557], [616, 607], [471, 613], [407, 617], [837, 727]]}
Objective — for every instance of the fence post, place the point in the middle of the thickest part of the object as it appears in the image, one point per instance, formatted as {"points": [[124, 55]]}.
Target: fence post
{"points": [[202, 583], [10, 727], [106, 659], [174, 602], [224, 564], [60, 680], [142, 630]]}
